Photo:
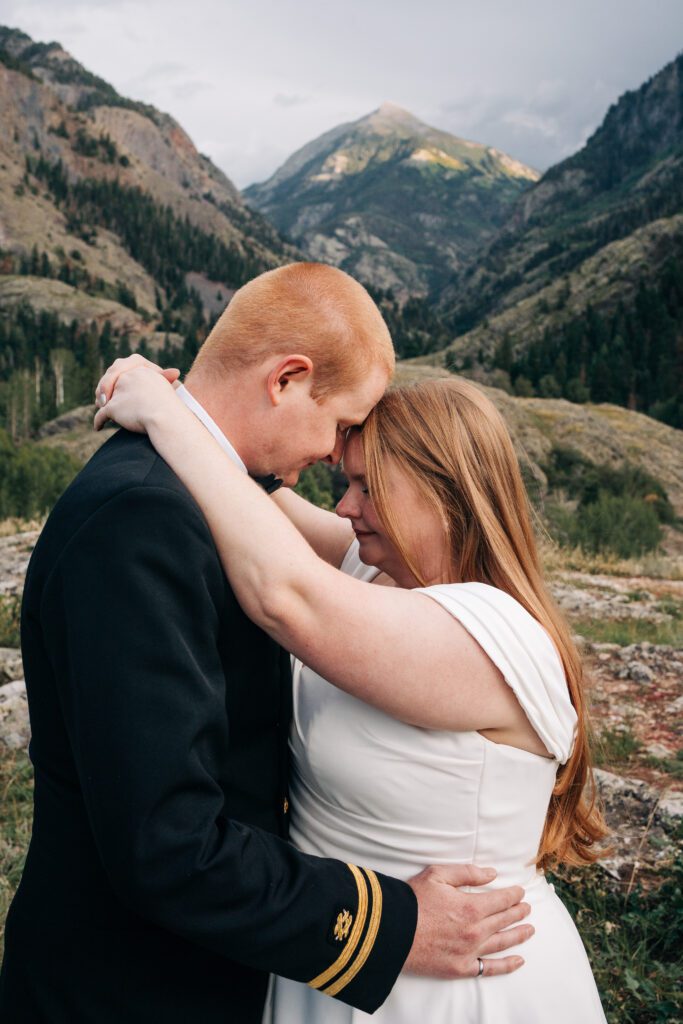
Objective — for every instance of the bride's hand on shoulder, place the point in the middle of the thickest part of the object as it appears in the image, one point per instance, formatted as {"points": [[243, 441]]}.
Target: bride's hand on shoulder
{"points": [[107, 382], [139, 396]]}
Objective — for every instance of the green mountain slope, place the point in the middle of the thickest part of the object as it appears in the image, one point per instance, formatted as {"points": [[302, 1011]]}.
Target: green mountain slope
{"points": [[629, 173], [396, 203], [581, 292], [115, 233]]}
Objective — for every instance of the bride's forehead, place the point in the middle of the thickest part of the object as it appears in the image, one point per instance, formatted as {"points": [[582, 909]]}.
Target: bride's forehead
{"points": [[354, 462]]}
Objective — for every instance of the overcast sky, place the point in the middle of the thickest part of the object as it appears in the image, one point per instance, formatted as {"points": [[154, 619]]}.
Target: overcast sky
{"points": [[253, 80]]}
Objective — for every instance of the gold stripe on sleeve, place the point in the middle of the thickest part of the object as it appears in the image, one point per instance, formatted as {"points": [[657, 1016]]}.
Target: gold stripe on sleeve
{"points": [[354, 937], [369, 941]]}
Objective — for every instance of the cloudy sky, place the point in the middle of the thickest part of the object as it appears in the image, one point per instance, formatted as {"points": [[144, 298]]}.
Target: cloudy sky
{"points": [[252, 80]]}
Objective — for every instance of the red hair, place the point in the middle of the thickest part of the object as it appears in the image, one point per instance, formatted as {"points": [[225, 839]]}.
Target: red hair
{"points": [[452, 443], [307, 308]]}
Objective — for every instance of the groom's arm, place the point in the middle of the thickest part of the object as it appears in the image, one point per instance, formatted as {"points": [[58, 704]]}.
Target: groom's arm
{"points": [[131, 615]]}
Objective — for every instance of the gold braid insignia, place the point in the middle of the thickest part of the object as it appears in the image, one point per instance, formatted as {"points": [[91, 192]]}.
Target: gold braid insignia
{"points": [[369, 941], [350, 948]]}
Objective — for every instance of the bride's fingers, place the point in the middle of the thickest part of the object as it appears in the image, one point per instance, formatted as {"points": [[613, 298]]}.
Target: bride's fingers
{"points": [[505, 940], [101, 417], [107, 383], [504, 965]]}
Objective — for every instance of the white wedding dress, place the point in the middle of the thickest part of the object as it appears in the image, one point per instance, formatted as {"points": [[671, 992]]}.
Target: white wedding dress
{"points": [[369, 789]]}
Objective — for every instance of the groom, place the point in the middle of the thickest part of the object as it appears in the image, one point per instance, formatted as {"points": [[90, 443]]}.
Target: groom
{"points": [[159, 885]]}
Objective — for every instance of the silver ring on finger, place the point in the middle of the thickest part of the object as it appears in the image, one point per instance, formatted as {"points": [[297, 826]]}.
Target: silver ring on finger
{"points": [[481, 967]]}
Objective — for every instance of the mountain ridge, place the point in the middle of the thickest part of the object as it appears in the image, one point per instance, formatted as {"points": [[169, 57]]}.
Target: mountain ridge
{"points": [[628, 173], [55, 107], [580, 294], [391, 199]]}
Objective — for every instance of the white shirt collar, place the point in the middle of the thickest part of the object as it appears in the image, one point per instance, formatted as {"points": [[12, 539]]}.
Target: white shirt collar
{"points": [[210, 424]]}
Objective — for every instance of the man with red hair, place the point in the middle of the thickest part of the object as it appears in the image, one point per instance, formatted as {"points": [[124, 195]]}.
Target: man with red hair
{"points": [[159, 885]]}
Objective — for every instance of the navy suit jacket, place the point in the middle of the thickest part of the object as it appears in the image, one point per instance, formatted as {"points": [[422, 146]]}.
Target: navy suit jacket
{"points": [[159, 885]]}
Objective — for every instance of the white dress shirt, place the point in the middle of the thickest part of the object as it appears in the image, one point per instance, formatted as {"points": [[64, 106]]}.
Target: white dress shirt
{"points": [[210, 424]]}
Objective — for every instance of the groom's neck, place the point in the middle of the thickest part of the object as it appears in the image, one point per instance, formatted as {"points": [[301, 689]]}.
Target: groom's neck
{"points": [[224, 402]]}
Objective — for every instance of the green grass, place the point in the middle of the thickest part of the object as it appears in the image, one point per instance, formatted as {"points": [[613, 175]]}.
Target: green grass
{"points": [[16, 810], [10, 607], [629, 631], [669, 765], [669, 606], [633, 942], [615, 748]]}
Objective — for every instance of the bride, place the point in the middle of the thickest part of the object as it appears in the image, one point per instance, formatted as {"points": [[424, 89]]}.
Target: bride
{"points": [[438, 706]]}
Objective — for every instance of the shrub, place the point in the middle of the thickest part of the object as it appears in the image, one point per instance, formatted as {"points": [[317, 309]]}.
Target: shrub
{"points": [[315, 484], [10, 609], [627, 526], [633, 942], [619, 509], [32, 477]]}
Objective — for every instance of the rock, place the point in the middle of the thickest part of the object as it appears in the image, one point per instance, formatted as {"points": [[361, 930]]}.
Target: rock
{"points": [[15, 731], [639, 672], [658, 750], [614, 787], [10, 665], [676, 706], [643, 825], [15, 552], [16, 687], [671, 806]]}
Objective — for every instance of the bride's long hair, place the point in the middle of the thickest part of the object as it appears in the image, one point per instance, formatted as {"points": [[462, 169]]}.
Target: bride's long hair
{"points": [[452, 442]]}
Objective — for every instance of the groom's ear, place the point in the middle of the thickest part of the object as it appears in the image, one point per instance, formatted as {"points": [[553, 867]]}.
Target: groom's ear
{"points": [[290, 370]]}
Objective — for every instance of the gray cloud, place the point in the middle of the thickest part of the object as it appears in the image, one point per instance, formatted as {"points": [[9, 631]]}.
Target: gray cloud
{"points": [[189, 89], [283, 100], [531, 78]]}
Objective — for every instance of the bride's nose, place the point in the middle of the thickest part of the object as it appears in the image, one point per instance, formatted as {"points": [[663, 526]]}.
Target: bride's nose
{"points": [[347, 507]]}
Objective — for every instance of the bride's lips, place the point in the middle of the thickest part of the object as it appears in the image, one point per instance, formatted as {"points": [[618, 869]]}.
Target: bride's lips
{"points": [[363, 533]]}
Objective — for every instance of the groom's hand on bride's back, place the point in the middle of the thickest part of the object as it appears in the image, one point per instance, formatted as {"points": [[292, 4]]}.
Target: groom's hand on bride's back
{"points": [[455, 928]]}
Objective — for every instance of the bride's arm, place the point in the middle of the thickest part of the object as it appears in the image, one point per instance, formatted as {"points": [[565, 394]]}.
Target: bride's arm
{"points": [[329, 536], [393, 648]]}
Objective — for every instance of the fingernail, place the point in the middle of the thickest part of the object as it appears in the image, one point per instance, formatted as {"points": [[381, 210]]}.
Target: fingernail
{"points": [[103, 398], [519, 962], [490, 872]]}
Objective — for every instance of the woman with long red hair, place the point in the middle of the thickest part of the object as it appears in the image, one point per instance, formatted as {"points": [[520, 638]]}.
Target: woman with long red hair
{"points": [[439, 713]]}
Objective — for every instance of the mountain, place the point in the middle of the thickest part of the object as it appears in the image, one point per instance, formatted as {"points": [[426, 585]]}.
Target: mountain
{"points": [[581, 292], [628, 174], [114, 232], [607, 435], [396, 203], [55, 109]]}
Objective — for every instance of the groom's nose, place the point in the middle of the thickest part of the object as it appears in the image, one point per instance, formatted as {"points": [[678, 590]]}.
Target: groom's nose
{"points": [[335, 456]]}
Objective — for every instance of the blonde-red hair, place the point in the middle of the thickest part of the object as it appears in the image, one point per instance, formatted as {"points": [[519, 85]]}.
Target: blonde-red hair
{"points": [[452, 443]]}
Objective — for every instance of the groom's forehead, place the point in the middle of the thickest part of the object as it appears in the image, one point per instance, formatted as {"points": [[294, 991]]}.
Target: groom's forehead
{"points": [[361, 398]]}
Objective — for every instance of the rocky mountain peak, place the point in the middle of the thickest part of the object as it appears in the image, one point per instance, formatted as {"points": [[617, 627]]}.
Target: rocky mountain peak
{"points": [[391, 116], [13, 40], [391, 199]]}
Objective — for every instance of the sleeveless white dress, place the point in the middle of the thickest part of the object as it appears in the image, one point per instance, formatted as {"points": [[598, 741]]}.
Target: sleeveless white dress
{"points": [[369, 789]]}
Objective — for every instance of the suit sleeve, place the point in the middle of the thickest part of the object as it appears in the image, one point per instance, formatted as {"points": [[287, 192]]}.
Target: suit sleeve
{"points": [[131, 615]]}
